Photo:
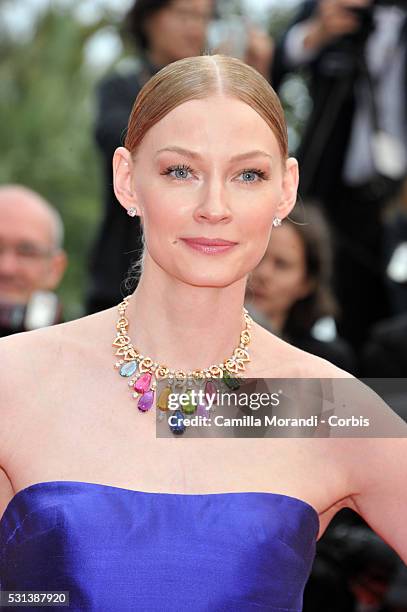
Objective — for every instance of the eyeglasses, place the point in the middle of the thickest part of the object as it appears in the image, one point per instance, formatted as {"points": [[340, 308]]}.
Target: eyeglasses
{"points": [[187, 14], [26, 251]]}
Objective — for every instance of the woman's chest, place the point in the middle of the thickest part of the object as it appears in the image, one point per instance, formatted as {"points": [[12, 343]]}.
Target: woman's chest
{"points": [[93, 432], [118, 445]]}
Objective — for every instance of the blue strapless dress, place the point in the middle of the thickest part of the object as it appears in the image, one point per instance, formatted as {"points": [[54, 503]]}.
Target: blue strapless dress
{"points": [[117, 549]]}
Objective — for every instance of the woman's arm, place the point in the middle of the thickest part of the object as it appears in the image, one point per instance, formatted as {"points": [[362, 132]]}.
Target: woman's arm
{"points": [[373, 457], [26, 362], [380, 477], [11, 353], [376, 461]]}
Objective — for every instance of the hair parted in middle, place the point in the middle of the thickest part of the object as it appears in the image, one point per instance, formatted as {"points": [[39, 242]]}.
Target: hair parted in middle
{"points": [[196, 78]]}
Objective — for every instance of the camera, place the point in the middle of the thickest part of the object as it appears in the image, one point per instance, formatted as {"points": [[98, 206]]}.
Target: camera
{"points": [[365, 15]]}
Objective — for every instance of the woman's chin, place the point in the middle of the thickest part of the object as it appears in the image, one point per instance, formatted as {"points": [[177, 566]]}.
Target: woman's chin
{"points": [[204, 278], [205, 274]]}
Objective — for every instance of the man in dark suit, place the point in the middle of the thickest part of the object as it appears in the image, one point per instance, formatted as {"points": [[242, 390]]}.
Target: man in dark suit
{"points": [[353, 152]]}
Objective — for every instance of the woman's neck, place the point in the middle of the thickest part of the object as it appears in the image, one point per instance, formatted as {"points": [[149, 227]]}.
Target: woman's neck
{"points": [[182, 326]]}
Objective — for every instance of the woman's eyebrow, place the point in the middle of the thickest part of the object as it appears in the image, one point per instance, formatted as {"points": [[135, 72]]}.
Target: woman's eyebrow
{"points": [[196, 155]]}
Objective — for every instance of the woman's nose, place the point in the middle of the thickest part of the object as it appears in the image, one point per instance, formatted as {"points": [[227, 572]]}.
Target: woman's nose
{"points": [[214, 206]]}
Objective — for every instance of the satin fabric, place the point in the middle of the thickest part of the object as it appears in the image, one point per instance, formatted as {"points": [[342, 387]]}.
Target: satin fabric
{"points": [[117, 549]]}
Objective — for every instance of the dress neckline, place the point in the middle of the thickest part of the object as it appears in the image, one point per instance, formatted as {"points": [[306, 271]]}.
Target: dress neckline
{"points": [[38, 485]]}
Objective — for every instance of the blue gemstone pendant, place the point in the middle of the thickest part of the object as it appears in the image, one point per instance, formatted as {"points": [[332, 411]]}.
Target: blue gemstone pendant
{"points": [[177, 427], [128, 369]]}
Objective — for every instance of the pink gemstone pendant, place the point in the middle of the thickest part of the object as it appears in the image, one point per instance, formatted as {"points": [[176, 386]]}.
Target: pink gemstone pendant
{"points": [[142, 384], [146, 401]]}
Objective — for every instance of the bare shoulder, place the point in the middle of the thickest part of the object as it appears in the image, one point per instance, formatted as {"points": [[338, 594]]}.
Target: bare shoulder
{"points": [[29, 353], [27, 361], [21, 359], [33, 364], [24, 358], [362, 427]]}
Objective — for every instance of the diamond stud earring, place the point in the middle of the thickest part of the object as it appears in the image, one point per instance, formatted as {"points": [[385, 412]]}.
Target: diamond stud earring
{"points": [[132, 212], [276, 222]]}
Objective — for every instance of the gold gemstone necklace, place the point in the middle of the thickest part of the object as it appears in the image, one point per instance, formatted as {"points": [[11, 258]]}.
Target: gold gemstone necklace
{"points": [[149, 373]]}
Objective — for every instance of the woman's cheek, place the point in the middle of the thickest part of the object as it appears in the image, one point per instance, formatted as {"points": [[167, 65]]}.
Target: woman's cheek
{"points": [[162, 210]]}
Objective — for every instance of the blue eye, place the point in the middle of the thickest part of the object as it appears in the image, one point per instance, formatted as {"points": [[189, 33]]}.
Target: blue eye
{"points": [[182, 171], [251, 172], [249, 175]]}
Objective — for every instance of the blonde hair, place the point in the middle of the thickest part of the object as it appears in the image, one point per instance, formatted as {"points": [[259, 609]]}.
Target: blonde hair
{"points": [[195, 78], [199, 77]]}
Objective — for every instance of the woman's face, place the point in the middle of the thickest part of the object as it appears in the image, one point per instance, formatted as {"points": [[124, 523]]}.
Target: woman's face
{"points": [[280, 279], [209, 169]]}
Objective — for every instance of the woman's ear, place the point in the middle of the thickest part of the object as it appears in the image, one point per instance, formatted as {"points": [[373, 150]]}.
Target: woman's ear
{"points": [[123, 166], [289, 189]]}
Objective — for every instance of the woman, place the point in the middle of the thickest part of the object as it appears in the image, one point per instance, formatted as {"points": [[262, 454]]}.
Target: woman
{"points": [[291, 288], [106, 510]]}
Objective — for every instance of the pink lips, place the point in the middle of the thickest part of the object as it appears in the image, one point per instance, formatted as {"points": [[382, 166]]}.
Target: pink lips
{"points": [[209, 246]]}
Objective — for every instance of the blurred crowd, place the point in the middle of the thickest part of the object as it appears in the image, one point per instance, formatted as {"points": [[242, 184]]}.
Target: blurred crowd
{"points": [[333, 280]]}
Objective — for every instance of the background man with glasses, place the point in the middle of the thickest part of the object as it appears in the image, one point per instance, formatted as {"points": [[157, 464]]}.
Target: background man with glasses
{"points": [[31, 255]]}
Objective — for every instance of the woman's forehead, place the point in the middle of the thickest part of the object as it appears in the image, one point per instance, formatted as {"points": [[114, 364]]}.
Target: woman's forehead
{"points": [[220, 120]]}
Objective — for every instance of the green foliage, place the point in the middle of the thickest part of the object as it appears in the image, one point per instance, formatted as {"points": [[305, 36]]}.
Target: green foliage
{"points": [[46, 105]]}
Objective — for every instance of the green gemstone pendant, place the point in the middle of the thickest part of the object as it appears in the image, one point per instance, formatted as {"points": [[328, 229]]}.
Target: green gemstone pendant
{"points": [[189, 407], [232, 383]]}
